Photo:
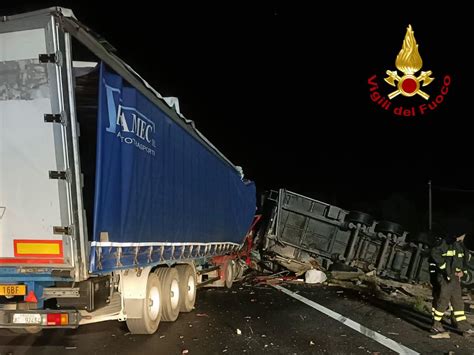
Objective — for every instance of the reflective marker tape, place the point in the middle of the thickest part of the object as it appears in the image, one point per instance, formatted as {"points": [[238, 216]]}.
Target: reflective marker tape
{"points": [[33, 247]]}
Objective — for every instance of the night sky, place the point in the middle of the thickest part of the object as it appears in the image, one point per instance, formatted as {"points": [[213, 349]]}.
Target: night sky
{"points": [[282, 90]]}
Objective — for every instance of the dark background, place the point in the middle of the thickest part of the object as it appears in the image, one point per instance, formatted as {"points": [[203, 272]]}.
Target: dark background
{"points": [[282, 91]]}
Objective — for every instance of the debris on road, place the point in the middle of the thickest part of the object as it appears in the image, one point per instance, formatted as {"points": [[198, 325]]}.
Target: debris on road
{"points": [[314, 276], [444, 335]]}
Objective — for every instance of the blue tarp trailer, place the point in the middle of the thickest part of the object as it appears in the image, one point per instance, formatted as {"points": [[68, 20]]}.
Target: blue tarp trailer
{"points": [[126, 207], [160, 193]]}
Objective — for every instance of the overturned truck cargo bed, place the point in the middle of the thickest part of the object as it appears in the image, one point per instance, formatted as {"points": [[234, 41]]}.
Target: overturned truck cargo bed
{"points": [[298, 232]]}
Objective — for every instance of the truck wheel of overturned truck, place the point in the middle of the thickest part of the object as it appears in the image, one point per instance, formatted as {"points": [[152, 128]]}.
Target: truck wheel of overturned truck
{"points": [[359, 217], [152, 309], [229, 273], [187, 287], [169, 280], [389, 227]]}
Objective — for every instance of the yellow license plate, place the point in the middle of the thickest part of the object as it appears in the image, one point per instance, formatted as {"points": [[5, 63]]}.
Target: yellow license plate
{"points": [[12, 290]]}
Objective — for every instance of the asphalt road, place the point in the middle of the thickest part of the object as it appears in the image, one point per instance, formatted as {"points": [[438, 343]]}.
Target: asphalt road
{"points": [[269, 322]]}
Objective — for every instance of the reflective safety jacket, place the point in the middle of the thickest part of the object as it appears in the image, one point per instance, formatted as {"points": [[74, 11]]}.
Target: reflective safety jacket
{"points": [[449, 258]]}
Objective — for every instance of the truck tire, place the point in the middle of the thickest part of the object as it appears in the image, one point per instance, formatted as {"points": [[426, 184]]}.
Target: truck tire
{"points": [[359, 217], [389, 227], [187, 287], [152, 309], [421, 237], [229, 273], [169, 280]]}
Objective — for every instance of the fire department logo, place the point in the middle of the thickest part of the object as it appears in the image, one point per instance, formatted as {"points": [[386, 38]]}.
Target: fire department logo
{"points": [[409, 62], [408, 83]]}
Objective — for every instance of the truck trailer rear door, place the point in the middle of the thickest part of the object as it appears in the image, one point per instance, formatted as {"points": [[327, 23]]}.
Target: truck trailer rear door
{"points": [[37, 193]]}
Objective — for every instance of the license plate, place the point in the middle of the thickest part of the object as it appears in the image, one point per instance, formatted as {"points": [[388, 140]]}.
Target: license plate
{"points": [[27, 318], [12, 290]]}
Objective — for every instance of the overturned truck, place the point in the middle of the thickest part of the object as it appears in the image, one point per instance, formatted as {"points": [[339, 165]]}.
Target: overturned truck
{"points": [[299, 233]]}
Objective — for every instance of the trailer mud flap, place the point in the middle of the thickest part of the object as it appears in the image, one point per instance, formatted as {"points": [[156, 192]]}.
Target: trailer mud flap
{"points": [[133, 285]]}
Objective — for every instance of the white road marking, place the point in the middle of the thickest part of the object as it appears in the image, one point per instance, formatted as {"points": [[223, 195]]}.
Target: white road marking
{"points": [[379, 338]]}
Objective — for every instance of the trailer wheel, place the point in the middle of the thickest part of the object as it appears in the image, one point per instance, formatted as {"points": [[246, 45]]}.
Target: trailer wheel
{"points": [[421, 237], [187, 287], [359, 217], [152, 309], [229, 273], [389, 227], [169, 279]]}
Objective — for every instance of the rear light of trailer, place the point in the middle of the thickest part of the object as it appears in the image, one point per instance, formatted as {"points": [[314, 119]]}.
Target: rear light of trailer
{"points": [[56, 319]]}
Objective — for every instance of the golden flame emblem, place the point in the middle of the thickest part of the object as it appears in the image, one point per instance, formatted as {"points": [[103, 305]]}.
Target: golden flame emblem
{"points": [[409, 62]]}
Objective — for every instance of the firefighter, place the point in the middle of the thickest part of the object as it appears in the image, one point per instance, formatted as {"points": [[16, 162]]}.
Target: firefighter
{"points": [[449, 259], [435, 286]]}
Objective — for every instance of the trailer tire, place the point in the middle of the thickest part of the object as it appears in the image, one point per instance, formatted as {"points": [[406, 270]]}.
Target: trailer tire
{"points": [[170, 287], [229, 273], [187, 285], [152, 309], [359, 217], [421, 237], [389, 227]]}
